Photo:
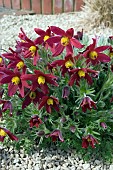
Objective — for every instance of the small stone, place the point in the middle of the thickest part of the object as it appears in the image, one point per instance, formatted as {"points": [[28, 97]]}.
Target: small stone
{"points": [[36, 167], [15, 161], [111, 167], [97, 162], [86, 166]]}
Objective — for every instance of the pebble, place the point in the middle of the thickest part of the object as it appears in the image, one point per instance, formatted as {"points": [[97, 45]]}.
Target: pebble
{"points": [[111, 167], [86, 166]]}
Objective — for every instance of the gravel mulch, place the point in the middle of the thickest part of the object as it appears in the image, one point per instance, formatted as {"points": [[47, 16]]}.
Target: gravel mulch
{"points": [[49, 159]]}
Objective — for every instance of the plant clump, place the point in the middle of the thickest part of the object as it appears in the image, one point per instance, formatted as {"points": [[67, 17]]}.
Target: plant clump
{"points": [[58, 88]]}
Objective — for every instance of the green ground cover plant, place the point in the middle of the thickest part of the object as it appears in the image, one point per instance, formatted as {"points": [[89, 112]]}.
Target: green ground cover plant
{"points": [[58, 88]]}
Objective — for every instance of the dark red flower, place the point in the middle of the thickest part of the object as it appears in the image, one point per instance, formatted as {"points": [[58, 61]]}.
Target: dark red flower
{"points": [[39, 79], [63, 39], [29, 48], [49, 103], [43, 36], [15, 83], [94, 54], [56, 134], [35, 121], [32, 96], [15, 59], [89, 140], [87, 103], [4, 132], [65, 64], [78, 73]]}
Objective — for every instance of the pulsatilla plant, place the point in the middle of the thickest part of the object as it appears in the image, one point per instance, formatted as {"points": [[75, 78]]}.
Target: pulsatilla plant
{"points": [[57, 88]]}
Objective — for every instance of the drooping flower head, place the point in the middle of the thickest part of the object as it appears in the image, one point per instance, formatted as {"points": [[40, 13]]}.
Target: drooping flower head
{"points": [[35, 121], [56, 134], [89, 140], [87, 103]]}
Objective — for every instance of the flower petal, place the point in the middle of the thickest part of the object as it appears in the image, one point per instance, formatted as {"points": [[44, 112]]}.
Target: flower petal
{"points": [[103, 58], [57, 30], [76, 43]]}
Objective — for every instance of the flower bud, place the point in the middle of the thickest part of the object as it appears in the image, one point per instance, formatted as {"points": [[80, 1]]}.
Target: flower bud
{"points": [[65, 92], [103, 124], [72, 128], [41, 133], [63, 120]]}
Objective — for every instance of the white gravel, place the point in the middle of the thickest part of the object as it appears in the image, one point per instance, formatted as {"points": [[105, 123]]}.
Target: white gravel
{"points": [[49, 159], [10, 26]]}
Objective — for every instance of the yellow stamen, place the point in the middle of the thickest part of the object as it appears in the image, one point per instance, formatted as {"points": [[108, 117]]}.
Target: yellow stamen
{"points": [[41, 80], [89, 140], [68, 64], [2, 132], [81, 73], [50, 101], [93, 55], [1, 60], [32, 95], [111, 55], [15, 80], [20, 65], [33, 50], [23, 41], [46, 37], [64, 41]]}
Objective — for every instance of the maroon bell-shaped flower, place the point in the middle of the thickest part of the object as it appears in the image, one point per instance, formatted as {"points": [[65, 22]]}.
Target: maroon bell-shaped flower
{"points": [[87, 103], [56, 134], [89, 140], [35, 121], [65, 92], [4, 132]]}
